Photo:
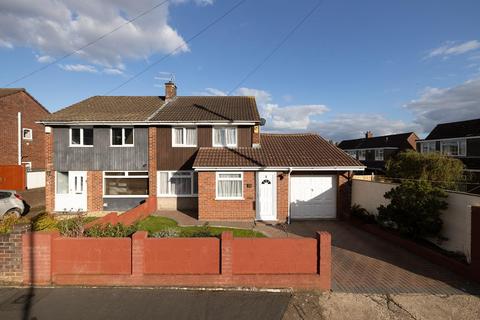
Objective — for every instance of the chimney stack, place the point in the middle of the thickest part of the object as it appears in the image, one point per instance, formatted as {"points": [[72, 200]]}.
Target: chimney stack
{"points": [[368, 135], [170, 90]]}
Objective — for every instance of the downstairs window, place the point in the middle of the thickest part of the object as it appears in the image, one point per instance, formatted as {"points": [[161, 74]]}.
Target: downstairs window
{"points": [[125, 184]]}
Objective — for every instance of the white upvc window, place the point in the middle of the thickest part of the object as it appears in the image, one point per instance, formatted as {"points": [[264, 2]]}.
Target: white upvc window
{"points": [[184, 136], [224, 136], [125, 184], [177, 183], [428, 147], [361, 154], [121, 137], [229, 185], [457, 147], [27, 134], [379, 154], [81, 137]]}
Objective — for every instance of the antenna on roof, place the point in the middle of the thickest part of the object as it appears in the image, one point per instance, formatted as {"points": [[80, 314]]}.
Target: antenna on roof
{"points": [[164, 76]]}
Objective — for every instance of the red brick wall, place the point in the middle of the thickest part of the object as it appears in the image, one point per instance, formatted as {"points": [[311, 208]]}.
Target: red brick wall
{"points": [[211, 209], [32, 150], [282, 196], [344, 195], [256, 135], [11, 254], [49, 173], [94, 191]]}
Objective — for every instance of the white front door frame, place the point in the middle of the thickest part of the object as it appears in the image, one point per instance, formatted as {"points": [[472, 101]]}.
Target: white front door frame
{"points": [[76, 198], [266, 196]]}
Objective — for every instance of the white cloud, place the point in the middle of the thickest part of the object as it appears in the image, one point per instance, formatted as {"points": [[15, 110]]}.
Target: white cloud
{"points": [[112, 71], [212, 92], [437, 105], [354, 126], [44, 59], [261, 96], [5, 44], [57, 27], [78, 68], [288, 118], [454, 48]]}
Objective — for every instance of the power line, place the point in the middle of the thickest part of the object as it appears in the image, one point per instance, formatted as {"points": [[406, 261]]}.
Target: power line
{"points": [[277, 47], [196, 35], [87, 45]]}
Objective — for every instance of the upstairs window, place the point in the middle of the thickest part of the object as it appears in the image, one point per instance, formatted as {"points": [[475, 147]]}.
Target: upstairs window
{"points": [[361, 154], [379, 154], [184, 137], [427, 147], [122, 137], [81, 137], [224, 136], [454, 147], [27, 134]]}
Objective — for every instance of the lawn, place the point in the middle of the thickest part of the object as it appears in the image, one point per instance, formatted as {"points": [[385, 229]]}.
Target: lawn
{"points": [[154, 224]]}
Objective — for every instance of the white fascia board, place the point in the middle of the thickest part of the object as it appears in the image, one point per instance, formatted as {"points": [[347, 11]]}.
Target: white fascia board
{"points": [[354, 168], [446, 139]]}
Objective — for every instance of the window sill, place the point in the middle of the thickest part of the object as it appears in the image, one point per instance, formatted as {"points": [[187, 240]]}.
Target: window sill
{"points": [[80, 146], [123, 146], [125, 196], [184, 146], [229, 199], [177, 196]]}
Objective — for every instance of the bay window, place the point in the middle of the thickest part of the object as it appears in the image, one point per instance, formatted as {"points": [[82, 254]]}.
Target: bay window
{"points": [[453, 147], [229, 185], [125, 184], [81, 137], [177, 183], [428, 147], [184, 137], [121, 137], [224, 136]]}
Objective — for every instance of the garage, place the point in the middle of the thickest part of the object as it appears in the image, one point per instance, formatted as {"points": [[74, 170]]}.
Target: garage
{"points": [[313, 197]]}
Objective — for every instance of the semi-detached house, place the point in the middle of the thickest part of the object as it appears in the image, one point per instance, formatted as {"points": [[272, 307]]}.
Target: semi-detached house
{"points": [[204, 154]]}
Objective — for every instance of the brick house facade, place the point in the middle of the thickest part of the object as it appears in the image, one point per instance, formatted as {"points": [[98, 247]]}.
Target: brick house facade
{"points": [[13, 102], [204, 155]]}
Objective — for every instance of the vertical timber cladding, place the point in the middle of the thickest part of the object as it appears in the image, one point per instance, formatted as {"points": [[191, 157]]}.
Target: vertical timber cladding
{"points": [[169, 158], [101, 156]]}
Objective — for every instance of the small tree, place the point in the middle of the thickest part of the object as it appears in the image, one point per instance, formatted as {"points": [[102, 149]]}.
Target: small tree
{"points": [[414, 209], [426, 166]]}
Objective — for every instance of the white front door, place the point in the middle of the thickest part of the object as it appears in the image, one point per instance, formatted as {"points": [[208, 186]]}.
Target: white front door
{"points": [[266, 196], [71, 191]]}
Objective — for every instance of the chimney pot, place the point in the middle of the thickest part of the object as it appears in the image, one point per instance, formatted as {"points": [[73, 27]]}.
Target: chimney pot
{"points": [[170, 90], [368, 135]]}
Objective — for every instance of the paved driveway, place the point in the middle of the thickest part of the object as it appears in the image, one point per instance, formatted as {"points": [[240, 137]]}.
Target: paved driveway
{"points": [[366, 264]]}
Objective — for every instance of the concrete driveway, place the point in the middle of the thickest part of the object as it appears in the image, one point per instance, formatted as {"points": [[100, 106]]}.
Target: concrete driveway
{"points": [[363, 263]]}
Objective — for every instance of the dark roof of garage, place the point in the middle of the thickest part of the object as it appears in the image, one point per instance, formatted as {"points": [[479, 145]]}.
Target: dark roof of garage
{"points": [[278, 150]]}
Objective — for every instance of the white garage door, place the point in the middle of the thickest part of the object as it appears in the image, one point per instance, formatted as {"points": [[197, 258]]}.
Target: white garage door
{"points": [[313, 197]]}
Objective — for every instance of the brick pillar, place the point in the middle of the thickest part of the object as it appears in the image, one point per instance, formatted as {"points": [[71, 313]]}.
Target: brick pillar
{"points": [[226, 252], [325, 258], [138, 249], [37, 257], [94, 191], [11, 267], [282, 196], [49, 172], [475, 243], [152, 164], [256, 135], [344, 196]]}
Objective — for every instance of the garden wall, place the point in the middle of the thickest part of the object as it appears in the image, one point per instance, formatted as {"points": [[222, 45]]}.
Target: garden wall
{"points": [[11, 254], [456, 219], [143, 261]]}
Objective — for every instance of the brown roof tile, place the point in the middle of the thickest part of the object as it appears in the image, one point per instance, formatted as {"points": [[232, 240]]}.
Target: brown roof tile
{"points": [[209, 108], [110, 108], [278, 150], [8, 91]]}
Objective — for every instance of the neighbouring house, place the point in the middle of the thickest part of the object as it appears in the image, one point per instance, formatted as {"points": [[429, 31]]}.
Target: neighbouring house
{"points": [[22, 139], [374, 152], [202, 154], [457, 139]]}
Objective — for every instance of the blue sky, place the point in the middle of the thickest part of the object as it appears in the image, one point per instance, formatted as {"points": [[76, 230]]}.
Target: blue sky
{"points": [[384, 66]]}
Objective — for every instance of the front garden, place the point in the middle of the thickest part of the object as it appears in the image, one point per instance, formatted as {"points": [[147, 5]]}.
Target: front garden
{"points": [[156, 226]]}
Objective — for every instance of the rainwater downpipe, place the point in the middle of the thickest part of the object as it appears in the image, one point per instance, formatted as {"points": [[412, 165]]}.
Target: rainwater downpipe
{"points": [[288, 195], [19, 138]]}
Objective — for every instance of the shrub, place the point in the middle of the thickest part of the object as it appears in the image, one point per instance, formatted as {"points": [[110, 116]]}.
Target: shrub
{"points": [[362, 214], [414, 209], [166, 233], [118, 230], [7, 223], [445, 171], [44, 222], [72, 227]]}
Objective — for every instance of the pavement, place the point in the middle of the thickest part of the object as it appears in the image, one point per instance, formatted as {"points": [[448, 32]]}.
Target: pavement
{"points": [[144, 303]]}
